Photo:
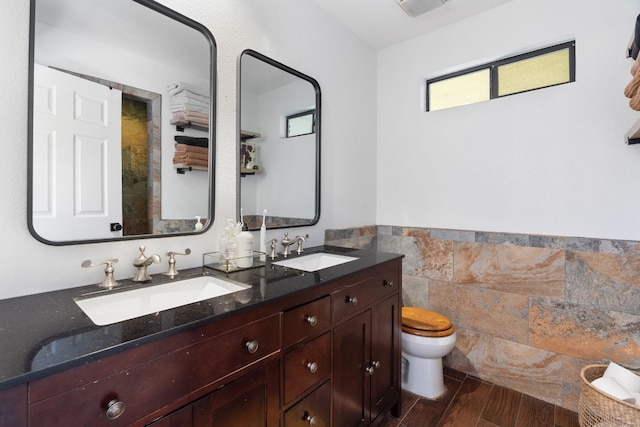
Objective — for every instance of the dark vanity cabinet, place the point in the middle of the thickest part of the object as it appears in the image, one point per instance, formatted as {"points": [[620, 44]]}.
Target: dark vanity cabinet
{"points": [[140, 385], [366, 349], [328, 355]]}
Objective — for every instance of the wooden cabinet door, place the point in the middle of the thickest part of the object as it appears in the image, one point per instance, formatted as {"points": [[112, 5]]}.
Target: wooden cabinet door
{"points": [[385, 352], [253, 400], [351, 354]]}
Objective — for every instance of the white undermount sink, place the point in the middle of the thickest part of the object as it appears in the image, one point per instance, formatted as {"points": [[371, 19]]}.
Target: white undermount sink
{"points": [[315, 262], [118, 306]]}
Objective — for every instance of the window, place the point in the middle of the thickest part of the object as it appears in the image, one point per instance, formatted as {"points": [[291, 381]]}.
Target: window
{"points": [[542, 68], [301, 124]]}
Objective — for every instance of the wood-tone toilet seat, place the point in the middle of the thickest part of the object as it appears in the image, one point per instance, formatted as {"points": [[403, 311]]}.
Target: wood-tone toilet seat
{"points": [[425, 323]]}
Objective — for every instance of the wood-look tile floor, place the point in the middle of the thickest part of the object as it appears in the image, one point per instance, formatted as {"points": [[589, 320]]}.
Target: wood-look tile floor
{"points": [[470, 402]]}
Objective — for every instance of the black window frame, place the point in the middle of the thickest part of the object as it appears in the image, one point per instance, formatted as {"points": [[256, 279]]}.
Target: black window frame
{"points": [[494, 82], [300, 114]]}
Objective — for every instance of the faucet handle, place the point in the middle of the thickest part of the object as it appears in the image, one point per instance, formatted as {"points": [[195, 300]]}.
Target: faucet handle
{"points": [[273, 254], [141, 248], [172, 272], [300, 240], [108, 282]]}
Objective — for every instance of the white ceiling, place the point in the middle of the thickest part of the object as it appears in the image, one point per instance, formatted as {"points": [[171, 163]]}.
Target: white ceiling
{"points": [[382, 23]]}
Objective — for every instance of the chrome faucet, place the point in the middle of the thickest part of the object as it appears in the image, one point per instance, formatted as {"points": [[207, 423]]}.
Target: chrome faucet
{"points": [[141, 263], [286, 243], [172, 272]]}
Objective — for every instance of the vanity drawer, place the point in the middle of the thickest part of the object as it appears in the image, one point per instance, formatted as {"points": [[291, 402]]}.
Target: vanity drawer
{"points": [[314, 409], [306, 320], [155, 384], [351, 299], [306, 365]]}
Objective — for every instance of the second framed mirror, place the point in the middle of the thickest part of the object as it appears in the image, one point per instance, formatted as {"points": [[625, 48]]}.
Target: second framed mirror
{"points": [[279, 144]]}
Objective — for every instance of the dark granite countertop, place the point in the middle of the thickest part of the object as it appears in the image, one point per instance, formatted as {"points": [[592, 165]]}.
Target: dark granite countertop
{"points": [[46, 333]]}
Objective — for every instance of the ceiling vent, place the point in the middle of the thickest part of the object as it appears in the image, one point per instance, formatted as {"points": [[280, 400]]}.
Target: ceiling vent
{"points": [[418, 7]]}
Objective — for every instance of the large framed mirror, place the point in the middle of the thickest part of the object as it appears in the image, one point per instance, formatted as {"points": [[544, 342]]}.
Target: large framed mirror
{"points": [[280, 111], [121, 121]]}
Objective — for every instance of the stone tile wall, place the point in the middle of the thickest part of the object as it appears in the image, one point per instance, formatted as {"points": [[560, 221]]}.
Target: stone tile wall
{"points": [[530, 311]]}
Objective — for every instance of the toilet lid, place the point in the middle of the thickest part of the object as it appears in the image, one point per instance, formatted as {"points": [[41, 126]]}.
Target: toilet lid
{"points": [[425, 320]]}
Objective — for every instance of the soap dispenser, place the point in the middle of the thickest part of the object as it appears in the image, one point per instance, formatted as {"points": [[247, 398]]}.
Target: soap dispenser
{"points": [[245, 247]]}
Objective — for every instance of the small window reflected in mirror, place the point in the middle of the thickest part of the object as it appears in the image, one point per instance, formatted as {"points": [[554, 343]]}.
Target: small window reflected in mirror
{"points": [[301, 124]]}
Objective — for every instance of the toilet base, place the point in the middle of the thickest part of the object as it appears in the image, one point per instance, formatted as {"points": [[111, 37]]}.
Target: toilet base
{"points": [[422, 376]]}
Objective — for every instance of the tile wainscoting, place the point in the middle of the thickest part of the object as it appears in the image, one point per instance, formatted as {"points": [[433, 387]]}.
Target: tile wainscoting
{"points": [[530, 311]]}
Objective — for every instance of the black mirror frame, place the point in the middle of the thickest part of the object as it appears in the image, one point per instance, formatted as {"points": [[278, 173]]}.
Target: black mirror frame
{"points": [[318, 127], [159, 8]]}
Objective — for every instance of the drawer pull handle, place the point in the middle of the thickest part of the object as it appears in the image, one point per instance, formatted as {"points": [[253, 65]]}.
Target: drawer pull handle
{"points": [[388, 283], [313, 367], [115, 408], [252, 346], [311, 419], [352, 300], [312, 320]]}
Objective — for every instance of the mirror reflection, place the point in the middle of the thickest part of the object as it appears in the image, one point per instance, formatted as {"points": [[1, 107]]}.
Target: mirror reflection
{"points": [[279, 144], [121, 140]]}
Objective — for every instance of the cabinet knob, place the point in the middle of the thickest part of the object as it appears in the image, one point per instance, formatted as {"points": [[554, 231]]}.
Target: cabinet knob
{"points": [[115, 408], [312, 320], [252, 346], [388, 283], [371, 369], [352, 300], [313, 367], [311, 419]]}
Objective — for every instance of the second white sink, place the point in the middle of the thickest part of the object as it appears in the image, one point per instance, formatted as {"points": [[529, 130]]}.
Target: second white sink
{"points": [[118, 306], [315, 262]]}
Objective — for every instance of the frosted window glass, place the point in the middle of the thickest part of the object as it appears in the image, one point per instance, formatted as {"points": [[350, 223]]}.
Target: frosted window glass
{"points": [[300, 125], [534, 73], [462, 90]]}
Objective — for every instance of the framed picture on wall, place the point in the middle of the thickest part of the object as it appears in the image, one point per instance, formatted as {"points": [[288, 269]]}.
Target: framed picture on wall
{"points": [[248, 156]]}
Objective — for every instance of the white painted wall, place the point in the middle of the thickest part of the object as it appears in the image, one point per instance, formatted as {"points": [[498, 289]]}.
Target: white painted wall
{"points": [[552, 161], [290, 31]]}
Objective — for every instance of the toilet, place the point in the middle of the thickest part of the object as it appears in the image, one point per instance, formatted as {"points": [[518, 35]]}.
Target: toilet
{"points": [[427, 337]]}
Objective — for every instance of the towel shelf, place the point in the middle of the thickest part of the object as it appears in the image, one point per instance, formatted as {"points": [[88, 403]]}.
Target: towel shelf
{"points": [[182, 125], [633, 136], [244, 171], [181, 169], [247, 134]]}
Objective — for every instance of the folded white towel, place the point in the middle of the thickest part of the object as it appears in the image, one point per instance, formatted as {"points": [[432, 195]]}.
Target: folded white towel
{"points": [[186, 95], [189, 107], [177, 87]]}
